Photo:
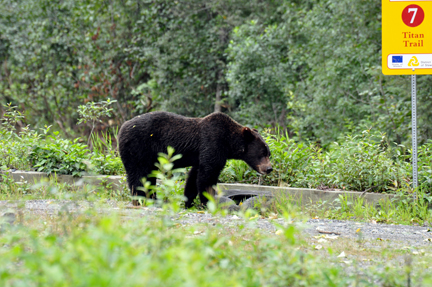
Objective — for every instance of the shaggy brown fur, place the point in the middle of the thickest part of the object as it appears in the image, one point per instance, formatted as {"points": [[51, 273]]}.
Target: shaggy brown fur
{"points": [[204, 143]]}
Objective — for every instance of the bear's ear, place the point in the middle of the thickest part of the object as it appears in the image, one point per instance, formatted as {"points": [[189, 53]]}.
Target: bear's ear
{"points": [[247, 134]]}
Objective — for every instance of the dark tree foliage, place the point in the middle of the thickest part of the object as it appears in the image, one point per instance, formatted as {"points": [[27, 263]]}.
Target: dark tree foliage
{"points": [[312, 67], [56, 55], [323, 60], [184, 44]]}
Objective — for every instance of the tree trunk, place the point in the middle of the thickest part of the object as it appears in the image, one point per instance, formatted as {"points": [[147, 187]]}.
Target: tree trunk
{"points": [[217, 107]]}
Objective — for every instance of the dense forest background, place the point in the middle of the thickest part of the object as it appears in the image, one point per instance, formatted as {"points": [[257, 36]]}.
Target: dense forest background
{"points": [[312, 67]]}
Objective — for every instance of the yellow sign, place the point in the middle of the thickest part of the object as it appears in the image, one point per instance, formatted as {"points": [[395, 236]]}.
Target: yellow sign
{"points": [[406, 37]]}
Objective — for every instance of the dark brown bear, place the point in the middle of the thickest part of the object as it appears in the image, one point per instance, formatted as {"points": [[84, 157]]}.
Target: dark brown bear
{"points": [[204, 143]]}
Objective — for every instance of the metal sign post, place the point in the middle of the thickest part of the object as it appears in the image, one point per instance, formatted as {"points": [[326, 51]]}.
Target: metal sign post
{"points": [[407, 50], [414, 131]]}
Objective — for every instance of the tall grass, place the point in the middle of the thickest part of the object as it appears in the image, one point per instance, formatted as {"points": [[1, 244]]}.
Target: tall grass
{"points": [[399, 210], [364, 162]]}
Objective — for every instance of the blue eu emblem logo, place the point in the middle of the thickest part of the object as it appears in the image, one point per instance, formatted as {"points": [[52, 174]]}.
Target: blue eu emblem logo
{"points": [[397, 59]]}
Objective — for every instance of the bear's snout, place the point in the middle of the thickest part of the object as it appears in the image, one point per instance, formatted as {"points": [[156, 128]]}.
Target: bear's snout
{"points": [[265, 166], [265, 169]]}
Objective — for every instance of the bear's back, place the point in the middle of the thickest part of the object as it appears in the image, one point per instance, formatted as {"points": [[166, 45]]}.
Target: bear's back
{"points": [[156, 131]]}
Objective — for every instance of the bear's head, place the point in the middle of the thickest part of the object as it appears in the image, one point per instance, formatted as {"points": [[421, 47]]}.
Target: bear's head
{"points": [[256, 152]]}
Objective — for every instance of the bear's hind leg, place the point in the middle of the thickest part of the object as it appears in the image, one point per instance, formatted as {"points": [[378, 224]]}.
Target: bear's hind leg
{"points": [[136, 187], [207, 178], [191, 190]]}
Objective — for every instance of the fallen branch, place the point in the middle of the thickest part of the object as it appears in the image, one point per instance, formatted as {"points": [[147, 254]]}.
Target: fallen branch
{"points": [[327, 232]]}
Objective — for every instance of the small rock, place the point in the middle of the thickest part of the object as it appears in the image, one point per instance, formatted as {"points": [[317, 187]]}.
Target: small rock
{"points": [[342, 255], [259, 203], [6, 220], [227, 203], [224, 201], [9, 217], [331, 237], [233, 208]]}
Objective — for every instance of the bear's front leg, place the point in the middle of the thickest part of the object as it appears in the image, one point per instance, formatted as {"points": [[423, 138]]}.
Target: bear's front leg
{"points": [[191, 190]]}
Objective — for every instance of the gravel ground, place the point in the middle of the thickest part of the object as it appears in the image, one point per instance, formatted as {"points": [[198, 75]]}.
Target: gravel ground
{"points": [[363, 243], [414, 236], [405, 234]]}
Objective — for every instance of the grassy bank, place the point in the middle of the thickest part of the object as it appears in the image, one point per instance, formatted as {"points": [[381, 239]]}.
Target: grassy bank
{"points": [[365, 161], [88, 249]]}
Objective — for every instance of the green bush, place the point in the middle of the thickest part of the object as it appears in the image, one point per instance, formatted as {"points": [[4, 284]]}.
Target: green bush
{"points": [[111, 252], [424, 166], [289, 160], [50, 153], [15, 146], [364, 162], [107, 164], [14, 149], [57, 155], [104, 158]]}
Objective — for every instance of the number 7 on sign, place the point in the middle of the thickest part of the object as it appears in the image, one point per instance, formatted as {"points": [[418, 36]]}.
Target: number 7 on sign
{"points": [[415, 13], [412, 15]]}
